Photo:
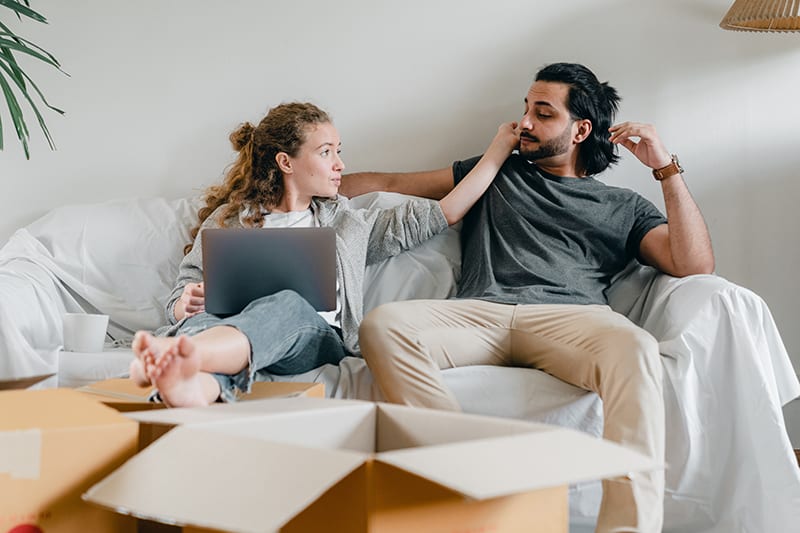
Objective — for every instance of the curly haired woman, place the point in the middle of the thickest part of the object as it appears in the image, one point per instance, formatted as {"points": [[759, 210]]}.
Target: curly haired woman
{"points": [[288, 173]]}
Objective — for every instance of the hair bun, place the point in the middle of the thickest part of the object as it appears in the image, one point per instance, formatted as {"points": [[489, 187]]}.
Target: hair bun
{"points": [[242, 136]]}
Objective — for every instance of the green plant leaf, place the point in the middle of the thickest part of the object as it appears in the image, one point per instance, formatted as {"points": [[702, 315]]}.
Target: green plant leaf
{"points": [[25, 42], [20, 9], [16, 116], [11, 74], [35, 109], [13, 45]]}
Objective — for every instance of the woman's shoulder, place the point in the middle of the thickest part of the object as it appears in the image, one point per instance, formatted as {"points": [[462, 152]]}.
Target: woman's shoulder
{"points": [[219, 217], [328, 209]]}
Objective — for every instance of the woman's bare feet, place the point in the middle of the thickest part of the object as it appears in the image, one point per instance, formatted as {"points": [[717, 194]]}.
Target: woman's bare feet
{"points": [[172, 365], [138, 368], [137, 373]]}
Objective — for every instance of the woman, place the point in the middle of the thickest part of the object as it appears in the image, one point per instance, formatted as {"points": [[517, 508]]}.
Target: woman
{"points": [[287, 174]]}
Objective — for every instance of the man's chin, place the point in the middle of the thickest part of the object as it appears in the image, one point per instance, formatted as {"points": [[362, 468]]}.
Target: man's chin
{"points": [[531, 155]]}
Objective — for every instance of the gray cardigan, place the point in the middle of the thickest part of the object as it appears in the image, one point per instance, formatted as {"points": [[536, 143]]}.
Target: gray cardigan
{"points": [[363, 237]]}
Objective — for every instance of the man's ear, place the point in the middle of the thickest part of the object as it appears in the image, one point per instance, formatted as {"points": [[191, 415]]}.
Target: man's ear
{"points": [[284, 162], [582, 131]]}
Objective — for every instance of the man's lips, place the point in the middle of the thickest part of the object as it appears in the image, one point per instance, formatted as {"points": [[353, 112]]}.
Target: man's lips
{"points": [[525, 138]]}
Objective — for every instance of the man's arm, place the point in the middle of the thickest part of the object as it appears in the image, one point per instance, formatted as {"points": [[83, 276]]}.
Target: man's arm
{"points": [[433, 184], [682, 247]]}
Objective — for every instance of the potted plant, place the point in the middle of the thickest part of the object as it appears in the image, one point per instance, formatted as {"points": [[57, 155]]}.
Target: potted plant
{"points": [[14, 82]]}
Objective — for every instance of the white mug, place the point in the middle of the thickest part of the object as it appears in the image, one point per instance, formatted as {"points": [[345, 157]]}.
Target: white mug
{"points": [[84, 332]]}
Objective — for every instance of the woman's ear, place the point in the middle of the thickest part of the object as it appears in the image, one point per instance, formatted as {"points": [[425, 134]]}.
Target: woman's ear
{"points": [[583, 130], [284, 162]]}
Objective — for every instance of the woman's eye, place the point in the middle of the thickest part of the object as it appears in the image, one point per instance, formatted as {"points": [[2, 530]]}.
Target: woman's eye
{"points": [[325, 153], [339, 151]]}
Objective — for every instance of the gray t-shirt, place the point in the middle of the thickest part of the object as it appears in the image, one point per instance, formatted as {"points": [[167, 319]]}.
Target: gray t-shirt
{"points": [[538, 238]]}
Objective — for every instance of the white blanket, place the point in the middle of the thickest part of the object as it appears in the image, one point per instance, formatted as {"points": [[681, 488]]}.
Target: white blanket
{"points": [[726, 371]]}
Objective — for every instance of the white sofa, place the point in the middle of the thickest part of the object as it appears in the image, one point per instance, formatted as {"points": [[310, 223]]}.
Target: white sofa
{"points": [[727, 374]]}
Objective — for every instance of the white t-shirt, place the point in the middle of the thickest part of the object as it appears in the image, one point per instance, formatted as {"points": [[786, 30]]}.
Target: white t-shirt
{"points": [[305, 219]]}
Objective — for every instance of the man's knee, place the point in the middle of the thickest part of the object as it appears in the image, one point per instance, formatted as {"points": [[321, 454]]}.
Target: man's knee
{"points": [[378, 323], [635, 354]]}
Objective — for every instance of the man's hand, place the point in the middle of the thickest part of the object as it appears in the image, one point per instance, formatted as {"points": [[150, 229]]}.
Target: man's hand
{"points": [[191, 302], [648, 149]]}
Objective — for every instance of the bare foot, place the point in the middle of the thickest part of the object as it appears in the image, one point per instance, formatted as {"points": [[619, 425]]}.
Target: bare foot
{"points": [[137, 373], [138, 368], [176, 371]]}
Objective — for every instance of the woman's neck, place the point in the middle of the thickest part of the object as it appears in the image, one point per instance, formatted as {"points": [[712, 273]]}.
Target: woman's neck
{"points": [[291, 202]]}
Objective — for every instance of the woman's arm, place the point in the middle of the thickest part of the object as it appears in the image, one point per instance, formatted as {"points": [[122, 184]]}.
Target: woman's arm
{"points": [[458, 201]]}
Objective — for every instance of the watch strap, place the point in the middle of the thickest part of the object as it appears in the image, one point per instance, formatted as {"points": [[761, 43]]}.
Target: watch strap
{"points": [[673, 168]]}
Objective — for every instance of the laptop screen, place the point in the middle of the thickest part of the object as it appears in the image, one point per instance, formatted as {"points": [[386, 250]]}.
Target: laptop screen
{"points": [[243, 264]]}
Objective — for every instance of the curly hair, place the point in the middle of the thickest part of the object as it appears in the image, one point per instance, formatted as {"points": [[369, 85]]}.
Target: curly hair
{"points": [[254, 179], [592, 100]]}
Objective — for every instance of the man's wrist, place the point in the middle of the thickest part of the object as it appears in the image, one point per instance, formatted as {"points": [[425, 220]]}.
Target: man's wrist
{"points": [[673, 168]]}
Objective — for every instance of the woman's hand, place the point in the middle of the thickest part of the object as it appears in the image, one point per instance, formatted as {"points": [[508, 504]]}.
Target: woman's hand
{"points": [[191, 302], [505, 141]]}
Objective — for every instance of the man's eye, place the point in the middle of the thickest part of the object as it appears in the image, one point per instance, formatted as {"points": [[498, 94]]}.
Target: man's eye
{"points": [[542, 115]]}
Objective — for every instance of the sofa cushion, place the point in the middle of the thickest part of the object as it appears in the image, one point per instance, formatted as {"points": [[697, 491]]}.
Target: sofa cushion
{"points": [[118, 257], [430, 270]]}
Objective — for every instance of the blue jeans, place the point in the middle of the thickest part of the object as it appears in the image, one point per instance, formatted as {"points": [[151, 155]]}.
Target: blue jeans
{"points": [[286, 336]]}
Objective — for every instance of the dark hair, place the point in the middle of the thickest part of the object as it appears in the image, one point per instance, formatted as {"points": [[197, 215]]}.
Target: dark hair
{"points": [[592, 100], [254, 179]]}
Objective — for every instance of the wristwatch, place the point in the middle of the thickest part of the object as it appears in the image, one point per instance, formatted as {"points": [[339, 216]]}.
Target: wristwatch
{"points": [[670, 170]]}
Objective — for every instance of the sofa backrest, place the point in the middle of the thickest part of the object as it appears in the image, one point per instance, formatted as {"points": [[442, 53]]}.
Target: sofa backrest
{"points": [[121, 257]]}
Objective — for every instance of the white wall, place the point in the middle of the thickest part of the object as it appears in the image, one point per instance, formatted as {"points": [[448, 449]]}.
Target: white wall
{"points": [[157, 85]]}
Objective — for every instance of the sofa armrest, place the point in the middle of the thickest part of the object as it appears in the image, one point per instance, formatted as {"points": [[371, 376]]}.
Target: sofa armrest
{"points": [[30, 320], [704, 319]]}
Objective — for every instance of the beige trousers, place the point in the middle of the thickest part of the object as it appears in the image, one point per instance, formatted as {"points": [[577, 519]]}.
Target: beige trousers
{"points": [[590, 346]]}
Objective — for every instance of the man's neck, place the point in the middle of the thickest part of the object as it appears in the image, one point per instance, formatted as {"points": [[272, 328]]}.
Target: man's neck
{"points": [[563, 166]]}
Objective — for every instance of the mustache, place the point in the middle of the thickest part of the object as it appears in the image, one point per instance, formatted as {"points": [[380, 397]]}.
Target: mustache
{"points": [[528, 136]]}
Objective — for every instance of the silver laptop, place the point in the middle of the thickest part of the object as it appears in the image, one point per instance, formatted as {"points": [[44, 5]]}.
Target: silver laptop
{"points": [[242, 264]]}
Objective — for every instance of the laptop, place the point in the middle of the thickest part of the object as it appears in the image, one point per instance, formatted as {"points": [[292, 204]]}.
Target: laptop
{"points": [[243, 264]]}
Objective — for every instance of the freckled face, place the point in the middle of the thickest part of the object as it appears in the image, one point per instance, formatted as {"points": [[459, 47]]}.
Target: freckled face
{"points": [[317, 168]]}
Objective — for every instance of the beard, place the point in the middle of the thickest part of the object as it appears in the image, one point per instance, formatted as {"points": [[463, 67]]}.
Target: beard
{"points": [[549, 148]]}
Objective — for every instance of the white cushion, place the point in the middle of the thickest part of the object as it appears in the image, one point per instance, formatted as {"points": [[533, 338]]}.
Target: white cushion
{"points": [[430, 270], [119, 257]]}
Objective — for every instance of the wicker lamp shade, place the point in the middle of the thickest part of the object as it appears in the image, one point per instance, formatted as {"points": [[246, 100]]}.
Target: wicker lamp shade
{"points": [[763, 15]]}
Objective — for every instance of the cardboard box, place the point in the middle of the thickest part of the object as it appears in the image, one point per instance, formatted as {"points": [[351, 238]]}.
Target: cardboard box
{"points": [[309, 464], [124, 395], [54, 445], [23, 383]]}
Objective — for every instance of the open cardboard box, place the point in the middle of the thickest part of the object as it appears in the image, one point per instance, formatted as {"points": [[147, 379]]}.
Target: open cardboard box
{"points": [[23, 383], [307, 464], [54, 445], [124, 395]]}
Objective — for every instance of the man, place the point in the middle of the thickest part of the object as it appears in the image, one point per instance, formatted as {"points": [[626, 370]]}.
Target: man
{"points": [[539, 251]]}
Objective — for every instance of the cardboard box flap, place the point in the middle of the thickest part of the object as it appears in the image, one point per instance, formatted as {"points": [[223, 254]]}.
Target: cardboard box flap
{"points": [[23, 383], [350, 427], [196, 477], [52, 409], [237, 410], [500, 466], [407, 427]]}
